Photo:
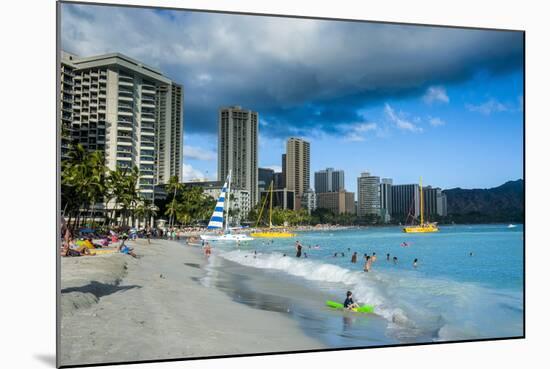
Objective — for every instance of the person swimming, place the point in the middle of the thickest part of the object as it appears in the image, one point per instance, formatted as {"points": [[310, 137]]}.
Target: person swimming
{"points": [[395, 259], [415, 262], [348, 302]]}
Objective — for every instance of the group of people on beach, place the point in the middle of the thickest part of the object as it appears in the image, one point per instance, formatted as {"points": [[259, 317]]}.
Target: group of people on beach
{"points": [[87, 242]]}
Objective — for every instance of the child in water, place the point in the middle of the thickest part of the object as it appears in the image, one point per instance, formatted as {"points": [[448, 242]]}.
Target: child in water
{"points": [[349, 303]]}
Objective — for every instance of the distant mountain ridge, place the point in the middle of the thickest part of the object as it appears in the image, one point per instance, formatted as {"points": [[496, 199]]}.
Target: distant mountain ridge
{"points": [[504, 203]]}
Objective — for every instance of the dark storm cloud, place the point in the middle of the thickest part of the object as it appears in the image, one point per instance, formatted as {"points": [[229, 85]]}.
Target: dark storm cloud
{"points": [[301, 75]]}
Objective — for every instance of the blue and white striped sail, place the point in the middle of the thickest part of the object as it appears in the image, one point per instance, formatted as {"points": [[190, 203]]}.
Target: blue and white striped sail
{"points": [[216, 221]]}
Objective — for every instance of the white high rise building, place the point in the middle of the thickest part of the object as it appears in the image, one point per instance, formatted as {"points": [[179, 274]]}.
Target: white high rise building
{"points": [[128, 110], [368, 195], [238, 149]]}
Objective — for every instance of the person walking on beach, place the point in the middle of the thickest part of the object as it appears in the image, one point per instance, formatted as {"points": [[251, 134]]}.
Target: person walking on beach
{"points": [[354, 258], [148, 235], [298, 249], [348, 302]]}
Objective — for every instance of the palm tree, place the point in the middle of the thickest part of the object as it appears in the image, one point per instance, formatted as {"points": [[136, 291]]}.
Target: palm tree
{"points": [[174, 186]]}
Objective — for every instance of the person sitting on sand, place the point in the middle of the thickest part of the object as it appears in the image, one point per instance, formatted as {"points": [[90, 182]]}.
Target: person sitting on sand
{"points": [[349, 303], [354, 257], [123, 249]]}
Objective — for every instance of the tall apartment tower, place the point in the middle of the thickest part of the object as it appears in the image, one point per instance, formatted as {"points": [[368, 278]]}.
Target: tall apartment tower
{"points": [[128, 110], [368, 195], [329, 180], [297, 165], [385, 199], [238, 148], [405, 200], [434, 202]]}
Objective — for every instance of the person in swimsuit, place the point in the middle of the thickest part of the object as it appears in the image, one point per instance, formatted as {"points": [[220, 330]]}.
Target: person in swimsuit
{"points": [[349, 303], [354, 258], [298, 249], [415, 262], [368, 263]]}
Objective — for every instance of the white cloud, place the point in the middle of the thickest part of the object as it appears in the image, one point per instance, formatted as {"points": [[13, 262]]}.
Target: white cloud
{"points": [[399, 121], [189, 173], [358, 131], [436, 94], [276, 168], [436, 122], [488, 107], [192, 152]]}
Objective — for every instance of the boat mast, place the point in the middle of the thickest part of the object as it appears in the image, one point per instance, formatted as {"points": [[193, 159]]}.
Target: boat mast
{"points": [[421, 204], [228, 195], [270, 203]]}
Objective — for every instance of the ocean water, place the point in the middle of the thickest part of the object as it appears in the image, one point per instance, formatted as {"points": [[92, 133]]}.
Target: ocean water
{"points": [[450, 295]]}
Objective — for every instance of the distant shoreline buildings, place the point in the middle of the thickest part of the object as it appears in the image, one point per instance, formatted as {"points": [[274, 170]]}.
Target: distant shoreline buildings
{"points": [[134, 115]]}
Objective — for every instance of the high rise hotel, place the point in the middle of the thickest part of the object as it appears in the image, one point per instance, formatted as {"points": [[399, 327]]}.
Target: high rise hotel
{"points": [[238, 149], [130, 111], [297, 164]]}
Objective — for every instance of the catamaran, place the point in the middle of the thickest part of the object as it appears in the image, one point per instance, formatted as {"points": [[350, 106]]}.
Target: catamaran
{"points": [[218, 221], [271, 232], [422, 227]]}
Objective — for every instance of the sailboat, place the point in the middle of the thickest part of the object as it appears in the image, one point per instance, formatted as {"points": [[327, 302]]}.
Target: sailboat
{"points": [[272, 231], [219, 222], [422, 227]]}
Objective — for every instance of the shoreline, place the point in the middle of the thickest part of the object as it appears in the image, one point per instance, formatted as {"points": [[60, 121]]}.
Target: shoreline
{"points": [[159, 309]]}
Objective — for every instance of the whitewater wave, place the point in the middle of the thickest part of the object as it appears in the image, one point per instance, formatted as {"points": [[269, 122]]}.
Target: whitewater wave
{"points": [[414, 306]]}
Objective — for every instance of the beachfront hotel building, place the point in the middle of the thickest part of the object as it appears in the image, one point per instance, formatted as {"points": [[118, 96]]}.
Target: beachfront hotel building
{"points": [[435, 202], [308, 201], [405, 200], [282, 198], [265, 177], [297, 167], [329, 180], [385, 199], [341, 202], [368, 195], [238, 149], [126, 109]]}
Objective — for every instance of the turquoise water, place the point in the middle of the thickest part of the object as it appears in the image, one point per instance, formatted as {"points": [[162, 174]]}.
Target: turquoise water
{"points": [[450, 295]]}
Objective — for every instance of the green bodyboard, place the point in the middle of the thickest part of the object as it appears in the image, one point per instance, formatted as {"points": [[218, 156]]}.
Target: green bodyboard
{"points": [[362, 309]]}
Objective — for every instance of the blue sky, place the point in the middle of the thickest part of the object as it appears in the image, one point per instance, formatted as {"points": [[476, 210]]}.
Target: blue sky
{"points": [[397, 101]]}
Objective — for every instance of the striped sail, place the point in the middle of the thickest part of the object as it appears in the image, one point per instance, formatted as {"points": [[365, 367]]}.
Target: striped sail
{"points": [[216, 221]]}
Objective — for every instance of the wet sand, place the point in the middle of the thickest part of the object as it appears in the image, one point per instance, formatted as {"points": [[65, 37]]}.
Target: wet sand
{"points": [[116, 308]]}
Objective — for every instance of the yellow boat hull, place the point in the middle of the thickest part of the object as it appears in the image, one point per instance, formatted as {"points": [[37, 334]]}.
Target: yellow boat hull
{"points": [[421, 229], [272, 235]]}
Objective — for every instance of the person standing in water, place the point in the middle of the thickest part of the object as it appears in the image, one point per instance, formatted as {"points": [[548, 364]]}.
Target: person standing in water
{"points": [[368, 264], [395, 259], [415, 262], [373, 257], [354, 258], [387, 257], [298, 249]]}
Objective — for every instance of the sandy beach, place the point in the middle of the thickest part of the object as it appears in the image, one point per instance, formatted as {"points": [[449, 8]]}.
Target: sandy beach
{"points": [[117, 308]]}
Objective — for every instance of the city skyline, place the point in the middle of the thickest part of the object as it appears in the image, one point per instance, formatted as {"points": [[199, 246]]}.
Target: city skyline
{"points": [[459, 119]]}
